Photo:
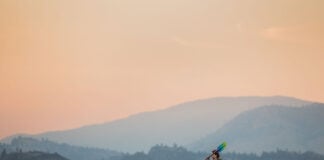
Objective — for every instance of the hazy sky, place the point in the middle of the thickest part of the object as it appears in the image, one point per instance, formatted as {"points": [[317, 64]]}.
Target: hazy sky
{"points": [[68, 63]]}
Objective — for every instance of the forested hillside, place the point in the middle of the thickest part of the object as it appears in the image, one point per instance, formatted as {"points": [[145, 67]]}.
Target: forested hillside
{"points": [[161, 152]]}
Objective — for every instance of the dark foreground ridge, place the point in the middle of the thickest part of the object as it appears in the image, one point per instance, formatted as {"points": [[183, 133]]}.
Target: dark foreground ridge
{"points": [[32, 155], [158, 152], [161, 152], [27, 144]]}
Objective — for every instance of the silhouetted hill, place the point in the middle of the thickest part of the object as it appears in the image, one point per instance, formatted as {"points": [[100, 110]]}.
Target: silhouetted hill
{"points": [[181, 124], [270, 128], [32, 155], [72, 152], [161, 152]]}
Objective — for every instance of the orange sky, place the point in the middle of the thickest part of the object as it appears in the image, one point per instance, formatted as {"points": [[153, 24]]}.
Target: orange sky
{"points": [[68, 63]]}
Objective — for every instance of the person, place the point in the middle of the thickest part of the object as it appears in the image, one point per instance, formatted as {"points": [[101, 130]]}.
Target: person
{"points": [[214, 156]]}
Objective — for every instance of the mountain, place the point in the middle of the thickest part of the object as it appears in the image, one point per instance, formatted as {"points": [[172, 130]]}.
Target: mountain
{"points": [[182, 124], [27, 144], [270, 128], [34, 155]]}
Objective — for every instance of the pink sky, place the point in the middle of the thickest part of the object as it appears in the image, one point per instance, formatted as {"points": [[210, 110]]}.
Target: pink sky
{"points": [[65, 64]]}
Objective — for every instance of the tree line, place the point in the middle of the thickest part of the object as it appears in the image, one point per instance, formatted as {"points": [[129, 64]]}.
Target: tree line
{"points": [[158, 152], [162, 152]]}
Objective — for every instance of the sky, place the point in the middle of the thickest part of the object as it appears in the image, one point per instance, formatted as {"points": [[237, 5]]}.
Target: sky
{"points": [[70, 63]]}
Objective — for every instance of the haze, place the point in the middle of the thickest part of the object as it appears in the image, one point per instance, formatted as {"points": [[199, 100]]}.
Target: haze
{"points": [[65, 64]]}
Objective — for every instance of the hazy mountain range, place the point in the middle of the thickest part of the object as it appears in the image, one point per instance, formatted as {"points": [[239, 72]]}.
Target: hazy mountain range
{"points": [[183, 124], [270, 128]]}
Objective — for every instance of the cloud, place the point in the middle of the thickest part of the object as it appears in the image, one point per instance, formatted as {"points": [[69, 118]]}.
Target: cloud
{"points": [[181, 41], [310, 34]]}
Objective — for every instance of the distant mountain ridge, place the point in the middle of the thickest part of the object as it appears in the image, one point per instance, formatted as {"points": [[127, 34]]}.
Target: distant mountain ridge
{"points": [[27, 144], [182, 124], [269, 128]]}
